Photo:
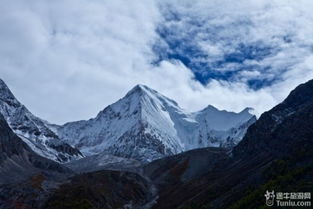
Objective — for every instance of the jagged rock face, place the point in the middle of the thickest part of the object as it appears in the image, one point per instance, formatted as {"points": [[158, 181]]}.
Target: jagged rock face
{"points": [[284, 128], [146, 125], [18, 161], [34, 131]]}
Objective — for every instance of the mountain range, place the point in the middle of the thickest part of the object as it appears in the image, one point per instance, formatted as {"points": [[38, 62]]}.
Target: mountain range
{"points": [[144, 125], [209, 159]]}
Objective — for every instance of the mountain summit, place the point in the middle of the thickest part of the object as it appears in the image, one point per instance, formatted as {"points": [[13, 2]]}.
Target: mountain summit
{"points": [[145, 125]]}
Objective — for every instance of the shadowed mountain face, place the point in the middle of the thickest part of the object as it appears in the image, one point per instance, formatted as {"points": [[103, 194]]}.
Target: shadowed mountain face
{"points": [[275, 154], [18, 162], [30, 181], [284, 129], [102, 189], [184, 167], [24, 175]]}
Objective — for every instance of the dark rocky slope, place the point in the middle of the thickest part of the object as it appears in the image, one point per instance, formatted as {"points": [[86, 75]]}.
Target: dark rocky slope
{"points": [[24, 176], [29, 181], [275, 154], [182, 168], [102, 189], [18, 161]]}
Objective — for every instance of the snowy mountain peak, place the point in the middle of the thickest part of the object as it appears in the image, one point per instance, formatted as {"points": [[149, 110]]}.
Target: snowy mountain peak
{"points": [[210, 108], [248, 110], [145, 125], [140, 87], [139, 102], [222, 120], [142, 91]]}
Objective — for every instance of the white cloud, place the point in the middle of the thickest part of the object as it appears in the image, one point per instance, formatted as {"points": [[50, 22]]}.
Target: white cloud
{"points": [[67, 59], [283, 28]]}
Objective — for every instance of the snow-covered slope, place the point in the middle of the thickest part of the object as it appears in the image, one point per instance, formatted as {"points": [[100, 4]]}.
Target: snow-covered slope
{"points": [[34, 131], [145, 125], [222, 128]]}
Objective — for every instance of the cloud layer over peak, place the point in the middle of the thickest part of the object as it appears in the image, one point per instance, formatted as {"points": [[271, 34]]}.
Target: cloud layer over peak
{"points": [[67, 59]]}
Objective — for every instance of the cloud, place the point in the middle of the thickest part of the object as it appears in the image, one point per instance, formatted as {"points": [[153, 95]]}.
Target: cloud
{"points": [[67, 59], [222, 38]]}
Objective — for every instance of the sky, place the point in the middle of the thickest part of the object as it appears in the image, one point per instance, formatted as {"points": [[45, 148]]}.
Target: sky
{"points": [[66, 60]]}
